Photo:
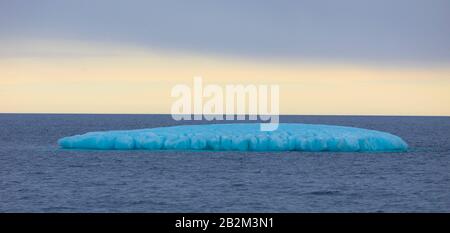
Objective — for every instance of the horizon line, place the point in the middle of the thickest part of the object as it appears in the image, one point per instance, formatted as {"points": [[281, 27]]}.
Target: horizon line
{"points": [[350, 115]]}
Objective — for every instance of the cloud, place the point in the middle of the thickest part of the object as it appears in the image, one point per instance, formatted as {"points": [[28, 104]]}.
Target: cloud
{"points": [[376, 32]]}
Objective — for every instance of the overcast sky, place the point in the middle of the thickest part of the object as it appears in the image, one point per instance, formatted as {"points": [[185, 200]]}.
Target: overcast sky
{"points": [[356, 31], [377, 57]]}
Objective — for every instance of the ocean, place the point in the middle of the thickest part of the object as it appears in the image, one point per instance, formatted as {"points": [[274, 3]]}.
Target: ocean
{"points": [[37, 176]]}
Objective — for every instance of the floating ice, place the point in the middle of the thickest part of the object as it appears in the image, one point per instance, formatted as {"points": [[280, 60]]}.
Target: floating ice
{"points": [[241, 137]]}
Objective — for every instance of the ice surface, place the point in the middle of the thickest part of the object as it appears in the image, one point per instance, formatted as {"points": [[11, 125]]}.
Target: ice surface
{"points": [[240, 137]]}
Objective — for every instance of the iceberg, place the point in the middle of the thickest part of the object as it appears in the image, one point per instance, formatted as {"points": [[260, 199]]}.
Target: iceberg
{"points": [[240, 137]]}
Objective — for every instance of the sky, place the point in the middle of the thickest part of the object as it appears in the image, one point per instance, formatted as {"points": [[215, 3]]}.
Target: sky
{"points": [[329, 57]]}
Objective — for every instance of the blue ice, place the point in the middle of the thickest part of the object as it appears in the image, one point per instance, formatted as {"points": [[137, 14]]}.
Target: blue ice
{"points": [[240, 137]]}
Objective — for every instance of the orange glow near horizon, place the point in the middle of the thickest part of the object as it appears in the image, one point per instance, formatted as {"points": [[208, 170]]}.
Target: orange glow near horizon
{"points": [[139, 81]]}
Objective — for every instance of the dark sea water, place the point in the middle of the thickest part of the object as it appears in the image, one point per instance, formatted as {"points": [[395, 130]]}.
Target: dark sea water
{"points": [[37, 176]]}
